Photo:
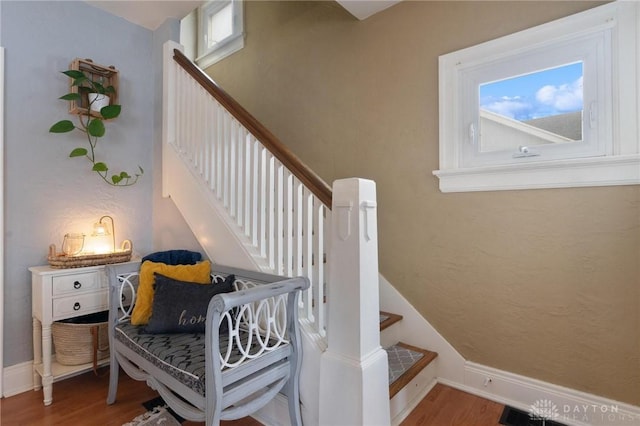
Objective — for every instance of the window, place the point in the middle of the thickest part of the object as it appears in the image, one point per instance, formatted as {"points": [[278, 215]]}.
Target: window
{"points": [[552, 106], [220, 31]]}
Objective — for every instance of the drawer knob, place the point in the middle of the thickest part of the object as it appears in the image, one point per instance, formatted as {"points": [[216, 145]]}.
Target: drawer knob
{"points": [[77, 284], [76, 306]]}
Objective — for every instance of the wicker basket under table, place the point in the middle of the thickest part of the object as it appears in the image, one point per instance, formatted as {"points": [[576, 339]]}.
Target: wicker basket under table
{"points": [[82, 339]]}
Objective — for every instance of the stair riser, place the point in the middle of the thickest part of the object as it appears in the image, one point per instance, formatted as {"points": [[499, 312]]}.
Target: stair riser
{"points": [[410, 395], [388, 337]]}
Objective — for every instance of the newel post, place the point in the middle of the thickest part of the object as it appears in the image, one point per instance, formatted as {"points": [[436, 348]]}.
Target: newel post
{"points": [[354, 386], [169, 101]]}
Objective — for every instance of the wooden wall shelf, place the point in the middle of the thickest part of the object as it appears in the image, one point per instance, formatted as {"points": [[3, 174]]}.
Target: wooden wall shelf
{"points": [[106, 75]]}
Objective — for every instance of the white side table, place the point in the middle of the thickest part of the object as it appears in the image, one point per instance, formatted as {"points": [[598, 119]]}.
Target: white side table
{"points": [[59, 294]]}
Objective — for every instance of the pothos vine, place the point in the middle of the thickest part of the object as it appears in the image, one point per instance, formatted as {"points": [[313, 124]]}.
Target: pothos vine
{"points": [[93, 127]]}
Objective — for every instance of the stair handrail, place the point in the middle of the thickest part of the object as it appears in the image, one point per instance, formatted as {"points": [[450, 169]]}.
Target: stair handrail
{"points": [[300, 170]]}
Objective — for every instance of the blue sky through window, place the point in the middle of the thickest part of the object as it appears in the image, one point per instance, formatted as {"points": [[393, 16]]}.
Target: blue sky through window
{"points": [[539, 94]]}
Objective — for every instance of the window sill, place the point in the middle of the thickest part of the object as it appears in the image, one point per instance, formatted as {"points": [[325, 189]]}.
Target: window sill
{"points": [[600, 171], [233, 45]]}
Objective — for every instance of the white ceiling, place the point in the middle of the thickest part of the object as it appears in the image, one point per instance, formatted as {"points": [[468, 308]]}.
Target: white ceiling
{"points": [[362, 9], [147, 13], [152, 13]]}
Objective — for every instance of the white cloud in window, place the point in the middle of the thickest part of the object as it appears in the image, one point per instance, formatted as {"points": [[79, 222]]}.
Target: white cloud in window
{"points": [[512, 107], [563, 98]]}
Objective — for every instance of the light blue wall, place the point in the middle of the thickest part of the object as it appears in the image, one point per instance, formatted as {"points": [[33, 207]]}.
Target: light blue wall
{"points": [[169, 228], [48, 194]]}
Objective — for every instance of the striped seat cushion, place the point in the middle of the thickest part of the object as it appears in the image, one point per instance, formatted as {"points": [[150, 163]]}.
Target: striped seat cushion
{"points": [[179, 355]]}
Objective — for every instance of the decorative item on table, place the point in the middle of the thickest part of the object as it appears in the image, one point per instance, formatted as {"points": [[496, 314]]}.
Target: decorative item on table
{"points": [[73, 256], [73, 243]]}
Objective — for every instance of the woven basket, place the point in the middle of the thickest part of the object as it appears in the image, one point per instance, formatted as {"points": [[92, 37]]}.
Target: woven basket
{"points": [[74, 341], [60, 260]]}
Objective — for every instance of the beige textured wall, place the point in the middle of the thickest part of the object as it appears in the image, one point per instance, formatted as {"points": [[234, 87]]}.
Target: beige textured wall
{"points": [[543, 283]]}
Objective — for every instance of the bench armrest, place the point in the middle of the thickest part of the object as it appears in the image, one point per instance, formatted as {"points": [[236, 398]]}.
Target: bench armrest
{"points": [[226, 301]]}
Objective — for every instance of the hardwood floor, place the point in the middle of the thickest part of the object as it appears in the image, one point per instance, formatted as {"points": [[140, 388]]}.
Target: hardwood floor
{"points": [[80, 401], [448, 406]]}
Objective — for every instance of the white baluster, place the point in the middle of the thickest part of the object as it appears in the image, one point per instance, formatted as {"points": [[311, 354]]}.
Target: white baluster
{"points": [[240, 195], [318, 270], [207, 126], [248, 193], [226, 158], [255, 182], [288, 231], [233, 177], [307, 249], [279, 217], [262, 203], [219, 139], [270, 211]]}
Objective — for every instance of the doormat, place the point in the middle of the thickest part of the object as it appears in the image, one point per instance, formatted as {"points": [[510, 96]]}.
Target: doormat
{"points": [[514, 417], [159, 402]]}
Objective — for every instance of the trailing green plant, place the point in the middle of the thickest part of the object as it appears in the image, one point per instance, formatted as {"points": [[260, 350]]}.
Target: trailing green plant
{"points": [[93, 127]]}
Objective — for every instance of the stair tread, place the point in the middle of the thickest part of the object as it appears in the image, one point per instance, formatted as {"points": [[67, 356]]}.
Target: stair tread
{"points": [[387, 319], [405, 362]]}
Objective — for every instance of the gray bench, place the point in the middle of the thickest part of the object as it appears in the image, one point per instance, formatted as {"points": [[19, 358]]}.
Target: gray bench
{"points": [[215, 375]]}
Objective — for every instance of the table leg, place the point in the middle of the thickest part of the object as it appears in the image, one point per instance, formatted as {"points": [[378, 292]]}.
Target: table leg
{"points": [[47, 377], [37, 353]]}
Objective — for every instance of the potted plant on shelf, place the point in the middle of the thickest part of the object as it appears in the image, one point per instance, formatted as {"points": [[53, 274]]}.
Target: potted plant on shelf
{"points": [[92, 124]]}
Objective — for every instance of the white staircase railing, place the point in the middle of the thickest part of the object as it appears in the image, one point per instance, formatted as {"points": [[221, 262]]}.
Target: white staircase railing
{"points": [[251, 203], [280, 220]]}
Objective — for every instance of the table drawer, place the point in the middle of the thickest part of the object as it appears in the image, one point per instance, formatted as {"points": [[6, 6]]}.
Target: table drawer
{"points": [[75, 283], [72, 306]]}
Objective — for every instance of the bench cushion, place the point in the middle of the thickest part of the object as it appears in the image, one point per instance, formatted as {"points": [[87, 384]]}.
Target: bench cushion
{"points": [[179, 355]]}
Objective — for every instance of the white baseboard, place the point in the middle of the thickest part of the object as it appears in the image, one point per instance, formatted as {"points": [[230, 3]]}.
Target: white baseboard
{"points": [[17, 378], [564, 405]]}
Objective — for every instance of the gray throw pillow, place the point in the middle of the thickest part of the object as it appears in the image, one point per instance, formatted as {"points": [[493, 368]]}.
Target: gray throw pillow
{"points": [[181, 306]]}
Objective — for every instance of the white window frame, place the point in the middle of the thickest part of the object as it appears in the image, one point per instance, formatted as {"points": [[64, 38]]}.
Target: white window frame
{"points": [[609, 156], [208, 56]]}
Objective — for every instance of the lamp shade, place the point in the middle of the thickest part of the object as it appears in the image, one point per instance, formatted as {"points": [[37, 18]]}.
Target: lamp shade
{"points": [[100, 229]]}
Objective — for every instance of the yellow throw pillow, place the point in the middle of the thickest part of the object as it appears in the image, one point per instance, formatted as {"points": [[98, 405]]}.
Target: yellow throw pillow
{"points": [[198, 273]]}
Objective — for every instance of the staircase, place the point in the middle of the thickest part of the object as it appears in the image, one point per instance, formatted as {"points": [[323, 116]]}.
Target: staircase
{"points": [[252, 204]]}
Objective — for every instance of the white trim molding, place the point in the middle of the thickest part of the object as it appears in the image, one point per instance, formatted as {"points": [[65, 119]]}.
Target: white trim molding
{"points": [[2, 389], [567, 405], [18, 378], [607, 171]]}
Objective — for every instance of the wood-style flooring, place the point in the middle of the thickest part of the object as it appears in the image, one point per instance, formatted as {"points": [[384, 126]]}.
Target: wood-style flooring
{"points": [[446, 406], [80, 401]]}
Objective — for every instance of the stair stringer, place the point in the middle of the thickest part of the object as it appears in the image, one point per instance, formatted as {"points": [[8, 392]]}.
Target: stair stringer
{"points": [[224, 243], [415, 330]]}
